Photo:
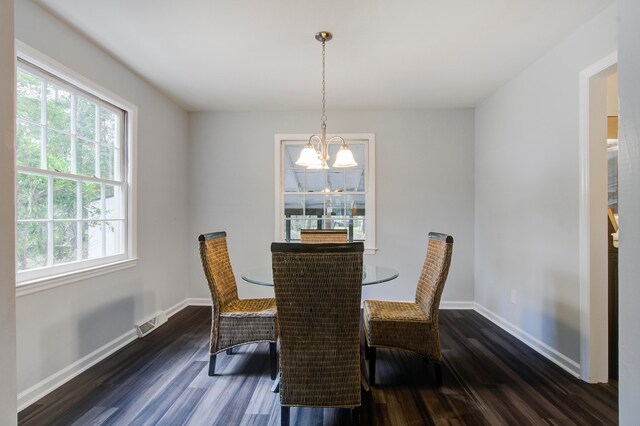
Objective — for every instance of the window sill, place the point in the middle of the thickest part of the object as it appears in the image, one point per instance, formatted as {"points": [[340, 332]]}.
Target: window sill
{"points": [[370, 250], [41, 284]]}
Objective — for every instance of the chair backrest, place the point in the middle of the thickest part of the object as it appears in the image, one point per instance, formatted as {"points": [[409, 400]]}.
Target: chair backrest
{"points": [[217, 268], [318, 289], [314, 236], [434, 273]]}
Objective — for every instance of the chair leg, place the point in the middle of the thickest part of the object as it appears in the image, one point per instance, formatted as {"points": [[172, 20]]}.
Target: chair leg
{"points": [[212, 365], [273, 359], [284, 415], [230, 351], [355, 416], [438, 369], [372, 365]]}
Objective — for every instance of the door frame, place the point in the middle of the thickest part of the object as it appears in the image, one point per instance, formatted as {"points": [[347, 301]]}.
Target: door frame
{"points": [[593, 310]]}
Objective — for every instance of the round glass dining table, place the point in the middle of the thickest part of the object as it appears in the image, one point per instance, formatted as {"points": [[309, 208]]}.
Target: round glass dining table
{"points": [[371, 274]]}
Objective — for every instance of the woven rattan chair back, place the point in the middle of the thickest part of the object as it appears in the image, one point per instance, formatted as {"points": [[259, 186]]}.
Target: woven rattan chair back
{"points": [[314, 236], [217, 268], [434, 273], [234, 321], [318, 289]]}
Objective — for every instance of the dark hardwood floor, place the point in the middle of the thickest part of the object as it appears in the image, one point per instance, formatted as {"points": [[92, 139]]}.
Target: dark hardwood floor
{"points": [[489, 378]]}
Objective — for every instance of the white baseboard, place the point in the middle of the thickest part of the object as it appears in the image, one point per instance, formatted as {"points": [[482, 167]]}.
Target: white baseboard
{"points": [[452, 304], [199, 301], [561, 360], [42, 388], [176, 308]]}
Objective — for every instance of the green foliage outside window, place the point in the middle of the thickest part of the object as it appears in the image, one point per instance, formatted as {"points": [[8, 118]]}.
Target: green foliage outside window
{"points": [[63, 132]]}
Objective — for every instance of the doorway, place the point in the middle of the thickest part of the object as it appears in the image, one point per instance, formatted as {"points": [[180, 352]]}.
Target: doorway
{"points": [[612, 222], [594, 221]]}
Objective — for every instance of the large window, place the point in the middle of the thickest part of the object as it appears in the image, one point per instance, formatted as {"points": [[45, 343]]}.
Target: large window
{"points": [[71, 163], [337, 198]]}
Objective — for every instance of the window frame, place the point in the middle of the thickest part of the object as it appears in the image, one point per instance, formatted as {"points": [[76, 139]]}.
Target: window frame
{"points": [[281, 140], [38, 279]]}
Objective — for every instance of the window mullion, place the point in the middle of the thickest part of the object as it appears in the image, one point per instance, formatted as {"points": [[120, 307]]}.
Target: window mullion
{"points": [[103, 204], [43, 126], [74, 134], [79, 225], [96, 144], [50, 233]]}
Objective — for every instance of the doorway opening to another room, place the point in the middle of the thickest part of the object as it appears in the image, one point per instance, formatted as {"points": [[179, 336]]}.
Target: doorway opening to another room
{"points": [[598, 221]]}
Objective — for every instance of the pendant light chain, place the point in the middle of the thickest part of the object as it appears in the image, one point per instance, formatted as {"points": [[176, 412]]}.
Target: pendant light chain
{"points": [[324, 110]]}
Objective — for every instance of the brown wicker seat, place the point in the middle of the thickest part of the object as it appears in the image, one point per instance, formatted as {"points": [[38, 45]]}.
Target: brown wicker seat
{"points": [[324, 236], [234, 321], [412, 326], [318, 289]]}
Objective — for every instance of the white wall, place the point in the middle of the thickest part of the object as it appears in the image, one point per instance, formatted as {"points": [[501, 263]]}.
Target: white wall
{"points": [[527, 191], [57, 327], [629, 94], [7, 219], [424, 182]]}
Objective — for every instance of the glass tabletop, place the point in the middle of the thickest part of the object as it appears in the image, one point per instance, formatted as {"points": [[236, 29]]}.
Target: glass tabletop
{"points": [[372, 274]]}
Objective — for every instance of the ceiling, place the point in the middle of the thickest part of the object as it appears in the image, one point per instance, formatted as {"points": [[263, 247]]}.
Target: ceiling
{"points": [[262, 55]]}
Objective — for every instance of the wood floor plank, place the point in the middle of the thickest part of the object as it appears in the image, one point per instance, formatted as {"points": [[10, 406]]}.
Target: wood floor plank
{"points": [[490, 378]]}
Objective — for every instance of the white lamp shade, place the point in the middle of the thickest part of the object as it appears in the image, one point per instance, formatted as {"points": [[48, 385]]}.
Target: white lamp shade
{"points": [[308, 157], [344, 158]]}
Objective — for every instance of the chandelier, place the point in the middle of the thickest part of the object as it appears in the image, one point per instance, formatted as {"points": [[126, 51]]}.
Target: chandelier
{"points": [[315, 153]]}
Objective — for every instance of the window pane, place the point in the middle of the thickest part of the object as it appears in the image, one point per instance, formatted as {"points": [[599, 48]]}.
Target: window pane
{"points": [[108, 127], [29, 97], [106, 162], [91, 239], [85, 119], [28, 145], [64, 199], [91, 200], [355, 205], [113, 202], [315, 181], [86, 158], [114, 238], [31, 247], [32, 197], [65, 242], [335, 205], [293, 180], [335, 223], [336, 180], [58, 151], [358, 229], [314, 205], [293, 205], [58, 108], [291, 155], [355, 180], [298, 222]]}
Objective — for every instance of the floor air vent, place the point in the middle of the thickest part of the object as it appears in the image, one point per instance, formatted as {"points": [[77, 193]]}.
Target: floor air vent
{"points": [[148, 326]]}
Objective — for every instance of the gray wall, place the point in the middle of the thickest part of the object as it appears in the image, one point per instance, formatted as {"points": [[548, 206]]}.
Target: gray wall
{"points": [[7, 219], [59, 326], [424, 182], [629, 94], [527, 191]]}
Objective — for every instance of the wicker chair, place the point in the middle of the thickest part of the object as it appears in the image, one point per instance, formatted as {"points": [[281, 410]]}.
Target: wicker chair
{"points": [[324, 236], [234, 321], [412, 326], [318, 289]]}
